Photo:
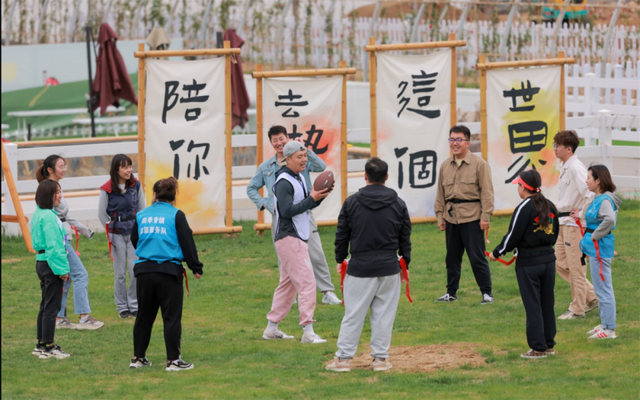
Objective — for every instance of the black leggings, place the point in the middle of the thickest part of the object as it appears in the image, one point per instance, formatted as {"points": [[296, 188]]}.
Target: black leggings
{"points": [[51, 287]]}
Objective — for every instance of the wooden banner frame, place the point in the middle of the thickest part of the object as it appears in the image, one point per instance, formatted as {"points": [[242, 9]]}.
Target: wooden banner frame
{"points": [[17, 205], [258, 75], [483, 66], [227, 52], [373, 48]]}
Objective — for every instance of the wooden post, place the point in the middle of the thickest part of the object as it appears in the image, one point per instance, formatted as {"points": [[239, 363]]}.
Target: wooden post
{"points": [[19, 217], [562, 106], [141, 128], [227, 131], [259, 136], [483, 110], [454, 74], [343, 137], [372, 98]]}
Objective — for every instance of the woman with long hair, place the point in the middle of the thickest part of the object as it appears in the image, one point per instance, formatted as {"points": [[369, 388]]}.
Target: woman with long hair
{"points": [[533, 231], [54, 167], [121, 197], [163, 240]]}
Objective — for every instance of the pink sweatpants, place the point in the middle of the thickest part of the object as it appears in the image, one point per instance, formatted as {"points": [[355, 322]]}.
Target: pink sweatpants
{"points": [[296, 275]]}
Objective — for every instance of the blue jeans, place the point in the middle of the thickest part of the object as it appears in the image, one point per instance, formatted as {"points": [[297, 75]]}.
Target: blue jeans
{"points": [[78, 274], [604, 291]]}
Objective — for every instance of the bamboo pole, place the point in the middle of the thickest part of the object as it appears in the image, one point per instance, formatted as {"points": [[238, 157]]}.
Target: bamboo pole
{"points": [[259, 135], [222, 229], [184, 53], [562, 106], [343, 138], [227, 134], [56, 142], [372, 99], [372, 47], [304, 72], [17, 205], [483, 110], [141, 123], [526, 63], [452, 101]]}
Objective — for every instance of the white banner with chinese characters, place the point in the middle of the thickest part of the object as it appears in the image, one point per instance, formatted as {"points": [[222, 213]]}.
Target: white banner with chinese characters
{"points": [[523, 116], [185, 128], [310, 109], [414, 114]]}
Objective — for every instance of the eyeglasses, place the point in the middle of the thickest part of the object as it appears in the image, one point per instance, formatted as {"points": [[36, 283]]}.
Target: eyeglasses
{"points": [[555, 146], [64, 167], [457, 140]]}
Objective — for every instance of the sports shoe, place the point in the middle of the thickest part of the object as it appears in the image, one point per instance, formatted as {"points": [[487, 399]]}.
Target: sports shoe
{"points": [[550, 352], [134, 314], [594, 330], [89, 323], [534, 354], [139, 362], [447, 298], [486, 299], [570, 315], [64, 323], [604, 334], [53, 352], [178, 365], [312, 338], [125, 314], [592, 305], [381, 364], [271, 334], [331, 299], [339, 365], [38, 350]]}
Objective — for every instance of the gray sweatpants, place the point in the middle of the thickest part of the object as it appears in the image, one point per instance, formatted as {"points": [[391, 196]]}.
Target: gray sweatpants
{"points": [[124, 256], [382, 295], [316, 254]]}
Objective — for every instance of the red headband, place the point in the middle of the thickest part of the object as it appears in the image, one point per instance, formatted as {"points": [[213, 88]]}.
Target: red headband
{"points": [[524, 184]]}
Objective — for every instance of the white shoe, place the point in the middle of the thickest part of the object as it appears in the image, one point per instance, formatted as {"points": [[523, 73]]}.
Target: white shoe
{"points": [[331, 299], [271, 334], [604, 334], [312, 338], [595, 330]]}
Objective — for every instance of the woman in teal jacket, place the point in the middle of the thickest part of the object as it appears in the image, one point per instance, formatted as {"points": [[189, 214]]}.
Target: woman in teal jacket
{"points": [[49, 241]]}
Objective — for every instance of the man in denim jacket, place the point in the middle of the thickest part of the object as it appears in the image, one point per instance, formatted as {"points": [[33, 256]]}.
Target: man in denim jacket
{"points": [[266, 176]]}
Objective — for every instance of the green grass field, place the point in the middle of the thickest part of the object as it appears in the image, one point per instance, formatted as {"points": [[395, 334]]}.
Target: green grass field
{"points": [[225, 315]]}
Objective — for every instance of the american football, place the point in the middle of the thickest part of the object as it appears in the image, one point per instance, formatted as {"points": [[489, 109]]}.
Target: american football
{"points": [[324, 181]]}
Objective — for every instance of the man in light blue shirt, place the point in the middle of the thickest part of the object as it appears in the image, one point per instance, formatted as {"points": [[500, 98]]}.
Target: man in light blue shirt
{"points": [[266, 176]]}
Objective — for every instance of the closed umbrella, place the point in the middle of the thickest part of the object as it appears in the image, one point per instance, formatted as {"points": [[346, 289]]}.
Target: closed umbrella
{"points": [[239, 95]]}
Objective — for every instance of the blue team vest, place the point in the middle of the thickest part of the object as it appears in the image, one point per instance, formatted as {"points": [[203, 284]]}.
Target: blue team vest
{"points": [[606, 244], [158, 239]]}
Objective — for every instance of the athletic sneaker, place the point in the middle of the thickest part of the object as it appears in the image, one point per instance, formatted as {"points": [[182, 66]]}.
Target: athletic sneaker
{"points": [[124, 314], [271, 334], [134, 314], [550, 352], [64, 323], [447, 298], [592, 305], [570, 315], [486, 299], [53, 352], [594, 330], [89, 323], [139, 362], [38, 350], [339, 365], [312, 338], [534, 354], [331, 299], [178, 365], [381, 364], [604, 334]]}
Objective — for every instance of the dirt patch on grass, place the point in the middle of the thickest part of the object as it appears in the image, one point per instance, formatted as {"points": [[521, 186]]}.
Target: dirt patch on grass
{"points": [[425, 358], [11, 260]]}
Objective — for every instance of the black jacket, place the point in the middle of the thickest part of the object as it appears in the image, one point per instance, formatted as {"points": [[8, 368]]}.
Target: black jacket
{"points": [[375, 223], [534, 245]]}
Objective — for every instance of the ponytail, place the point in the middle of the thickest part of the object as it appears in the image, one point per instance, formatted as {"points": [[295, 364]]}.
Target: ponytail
{"points": [[540, 203]]}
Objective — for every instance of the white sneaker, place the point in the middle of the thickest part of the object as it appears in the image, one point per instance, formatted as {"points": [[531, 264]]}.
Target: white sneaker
{"points": [[53, 352], [595, 330], [604, 334], [312, 338], [486, 299], [271, 334], [331, 299]]}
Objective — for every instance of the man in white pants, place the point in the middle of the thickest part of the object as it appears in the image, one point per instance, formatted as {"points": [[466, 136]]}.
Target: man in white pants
{"points": [[266, 176], [375, 223]]}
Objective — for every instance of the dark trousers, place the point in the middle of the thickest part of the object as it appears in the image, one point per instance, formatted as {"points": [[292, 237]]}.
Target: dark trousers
{"points": [[51, 288], [155, 291], [469, 237], [536, 288]]}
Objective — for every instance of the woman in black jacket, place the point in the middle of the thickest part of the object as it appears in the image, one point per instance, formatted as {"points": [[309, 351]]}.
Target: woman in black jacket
{"points": [[532, 233]]}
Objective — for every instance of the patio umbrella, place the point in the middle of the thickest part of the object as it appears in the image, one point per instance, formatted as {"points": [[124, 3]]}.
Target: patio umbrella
{"points": [[112, 81], [239, 95]]}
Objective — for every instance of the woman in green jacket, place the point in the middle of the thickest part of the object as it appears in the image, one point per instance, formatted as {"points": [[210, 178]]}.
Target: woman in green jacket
{"points": [[49, 242]]}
